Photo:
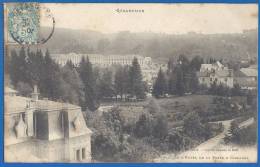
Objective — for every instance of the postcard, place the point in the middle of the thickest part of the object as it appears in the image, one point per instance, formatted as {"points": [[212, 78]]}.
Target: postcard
{"points": [[91, 83]]}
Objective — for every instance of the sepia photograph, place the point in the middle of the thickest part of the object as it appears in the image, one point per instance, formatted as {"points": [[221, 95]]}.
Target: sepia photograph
{"points": [[126, 82]]}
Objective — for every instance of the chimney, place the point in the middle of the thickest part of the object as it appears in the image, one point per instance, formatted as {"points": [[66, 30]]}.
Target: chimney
{"points": [[35, 94]]}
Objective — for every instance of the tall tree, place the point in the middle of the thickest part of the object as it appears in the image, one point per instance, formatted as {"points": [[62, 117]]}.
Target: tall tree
{"points": [[170, 65], [180, 84], [160, 85], [73, 85], [194, 82], [121, 81], [18, 67], [36, 67], [52, 79], [172, 82], [136, 80], [196, 63], [86, 75], [14, 68], [106, 87]]}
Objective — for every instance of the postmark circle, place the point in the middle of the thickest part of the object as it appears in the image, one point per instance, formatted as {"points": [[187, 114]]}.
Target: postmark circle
{"points": [[24, 23]]}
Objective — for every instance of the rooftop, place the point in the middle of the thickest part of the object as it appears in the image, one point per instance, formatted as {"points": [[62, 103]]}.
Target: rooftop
{"points": [[16, 104], [250, 72]]}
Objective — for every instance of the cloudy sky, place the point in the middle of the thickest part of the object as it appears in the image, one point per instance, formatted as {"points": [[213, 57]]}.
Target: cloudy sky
{"points": [[159, 18]]}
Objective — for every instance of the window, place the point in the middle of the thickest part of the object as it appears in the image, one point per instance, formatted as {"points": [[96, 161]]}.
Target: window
{"points": [[210, 79], [83, 153], [78, 155], [225, 79]]}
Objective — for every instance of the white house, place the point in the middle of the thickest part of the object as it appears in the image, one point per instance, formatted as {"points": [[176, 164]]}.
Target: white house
{"points": [[216, 72]]}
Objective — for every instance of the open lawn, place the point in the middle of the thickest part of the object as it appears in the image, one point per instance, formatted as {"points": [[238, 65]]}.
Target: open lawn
{"points": [[175, 107]]}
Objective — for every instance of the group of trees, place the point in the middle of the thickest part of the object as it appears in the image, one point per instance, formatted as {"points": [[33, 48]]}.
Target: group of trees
{"points": [[83, 85], [29, 68], [129, 81], [179, 78], [117, 139]]}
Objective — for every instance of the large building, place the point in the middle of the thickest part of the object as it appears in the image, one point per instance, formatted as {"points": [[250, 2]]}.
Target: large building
{"points": [[101, 60], [215, 73], [40, 130], [149, 70]]}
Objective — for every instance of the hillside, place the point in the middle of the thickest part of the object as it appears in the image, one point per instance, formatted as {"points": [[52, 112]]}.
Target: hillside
{"points": [[157, 46]]}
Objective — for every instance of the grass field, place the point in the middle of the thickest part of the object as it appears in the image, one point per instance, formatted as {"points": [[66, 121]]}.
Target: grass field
{"points": [[175, 108]]}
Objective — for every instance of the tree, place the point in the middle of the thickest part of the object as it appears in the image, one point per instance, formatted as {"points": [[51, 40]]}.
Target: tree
{"points": [[52, 83], [24, 89], [153, 107], [106, 88], [172, 83], [170, 65], [236, 90], [222, 90], [192, 126], [70, 64], [184, 63], [196, 63], [160, 128], [213, 88], [36, 67], [194, 82], [86, 75], [136, 83], [72, 83], [160, 85], [18, 67], [14, 68], [143, 126], [180, 84], [121, 81]]}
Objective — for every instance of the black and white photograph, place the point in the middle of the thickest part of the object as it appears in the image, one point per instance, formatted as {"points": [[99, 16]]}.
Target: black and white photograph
{"points": [[126, 82]]}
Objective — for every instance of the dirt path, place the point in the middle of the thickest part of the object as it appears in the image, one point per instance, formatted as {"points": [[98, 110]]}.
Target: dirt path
{"points": [[213, 150]]}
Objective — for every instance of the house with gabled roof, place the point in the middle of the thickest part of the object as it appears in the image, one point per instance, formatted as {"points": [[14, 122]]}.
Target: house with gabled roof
{"points": [[215, 73], [40, 130]]}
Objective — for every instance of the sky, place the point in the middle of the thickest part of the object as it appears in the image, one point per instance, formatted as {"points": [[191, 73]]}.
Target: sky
{"points": [[157, 18]]}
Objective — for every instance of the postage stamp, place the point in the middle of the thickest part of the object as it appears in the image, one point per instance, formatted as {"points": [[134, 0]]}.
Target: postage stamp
{"points": [[24, 23]]}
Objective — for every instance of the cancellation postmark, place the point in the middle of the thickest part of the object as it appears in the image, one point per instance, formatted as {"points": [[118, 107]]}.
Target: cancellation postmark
{"points": [[24, 23]]}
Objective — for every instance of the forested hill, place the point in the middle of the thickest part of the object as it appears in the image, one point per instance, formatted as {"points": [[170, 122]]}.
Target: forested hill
{"points": [[157, 46]]}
